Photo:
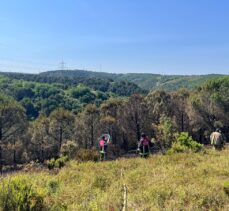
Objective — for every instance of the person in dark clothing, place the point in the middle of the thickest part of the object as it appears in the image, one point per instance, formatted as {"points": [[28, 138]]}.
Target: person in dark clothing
{"points": [[143, 145]]}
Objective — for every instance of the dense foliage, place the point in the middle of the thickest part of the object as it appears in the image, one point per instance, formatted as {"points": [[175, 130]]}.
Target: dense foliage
{"points": [[146, 81], [47, 95], [143, 80], [99, 83], [102, 81], [184, 143]]}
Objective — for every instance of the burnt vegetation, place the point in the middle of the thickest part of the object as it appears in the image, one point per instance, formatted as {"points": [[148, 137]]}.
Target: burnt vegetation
{"points": [[44, 117]]}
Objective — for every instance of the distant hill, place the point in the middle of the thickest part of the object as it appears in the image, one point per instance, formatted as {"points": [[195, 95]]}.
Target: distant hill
{"points": [[144, 80], [104, 82], [44, 93], [81, 74]]}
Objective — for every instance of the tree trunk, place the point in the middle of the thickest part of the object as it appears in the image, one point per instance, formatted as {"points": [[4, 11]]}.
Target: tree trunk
{"points": [[60, 137], [42, 155], [182, 122], [125, 142], [92, 135], [138, 132], [15, 159]]}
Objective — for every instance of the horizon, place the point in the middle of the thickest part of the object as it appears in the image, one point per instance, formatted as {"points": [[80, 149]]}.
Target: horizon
{"points": [[37, 73], [170, 37]]}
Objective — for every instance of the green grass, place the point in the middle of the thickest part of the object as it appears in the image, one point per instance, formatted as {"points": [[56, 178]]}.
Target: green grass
{"points": [[162, 182]]}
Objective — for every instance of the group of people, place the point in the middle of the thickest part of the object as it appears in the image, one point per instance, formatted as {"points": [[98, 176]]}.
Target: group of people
{"points": [[143, 149], [143, 146]]}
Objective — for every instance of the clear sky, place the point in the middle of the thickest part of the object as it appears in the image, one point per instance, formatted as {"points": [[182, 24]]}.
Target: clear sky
{"points": [[153, 36]]}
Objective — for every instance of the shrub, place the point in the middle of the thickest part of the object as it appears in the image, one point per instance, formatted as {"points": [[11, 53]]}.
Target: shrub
{"points": [[88, 155], [69, 149], [184, 143], [18, 193], [50, 163], [53, 186], [61, 162], [164, 133], [226, 187], [58, 163]]}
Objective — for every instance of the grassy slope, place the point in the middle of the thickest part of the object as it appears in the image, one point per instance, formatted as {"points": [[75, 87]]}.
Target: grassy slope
{"points": [[175, 182], [167, 82]]}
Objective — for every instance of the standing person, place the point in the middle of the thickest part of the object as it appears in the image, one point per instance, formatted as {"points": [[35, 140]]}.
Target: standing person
{"points": [[103, 147], [216, 139], [143, 145]]}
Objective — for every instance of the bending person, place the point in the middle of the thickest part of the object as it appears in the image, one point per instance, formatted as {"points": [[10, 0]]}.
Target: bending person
{"points": [[217, 140]]}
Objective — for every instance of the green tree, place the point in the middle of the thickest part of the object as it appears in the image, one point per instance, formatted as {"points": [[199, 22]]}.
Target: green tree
{"points": [[109, 118], [180, 109], [61, 126], [208, 108], [164, 132], [87, 127], [159, 103], [42, 145], [31, 110], [12, 121]]}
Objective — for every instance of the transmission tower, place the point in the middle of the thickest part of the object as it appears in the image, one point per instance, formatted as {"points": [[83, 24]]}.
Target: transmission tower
{"points": [[62, 65]]}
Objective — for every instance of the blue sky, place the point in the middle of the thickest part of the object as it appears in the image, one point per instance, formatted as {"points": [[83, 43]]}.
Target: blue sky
{"points": [[120, 36]]}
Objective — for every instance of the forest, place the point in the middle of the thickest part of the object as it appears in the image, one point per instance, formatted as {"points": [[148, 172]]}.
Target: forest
{"points": [[43, 119], [146, 81]]}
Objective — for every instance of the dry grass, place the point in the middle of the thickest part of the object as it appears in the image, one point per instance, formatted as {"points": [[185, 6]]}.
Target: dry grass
{"points": [[162, 182]]}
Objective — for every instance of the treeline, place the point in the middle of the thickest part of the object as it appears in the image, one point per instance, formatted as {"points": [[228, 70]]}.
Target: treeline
{"points": [[38, 94], [146, 81], [102, 80], [159, 114], [121, 87]]}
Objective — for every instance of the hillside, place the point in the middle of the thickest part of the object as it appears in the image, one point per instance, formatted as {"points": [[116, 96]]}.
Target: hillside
{"points": [[162, 182], [144, 80], [72, 78], [43, 94], [138, 81]]}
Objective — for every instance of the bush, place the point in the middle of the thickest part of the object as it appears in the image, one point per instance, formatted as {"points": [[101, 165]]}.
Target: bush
{"points": [[164, 133], [61, 162], [88, 155], [184, 143], [69, 149], [19, 194], [50, 163], [58, 163], [226, 187], [53, 186]]}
